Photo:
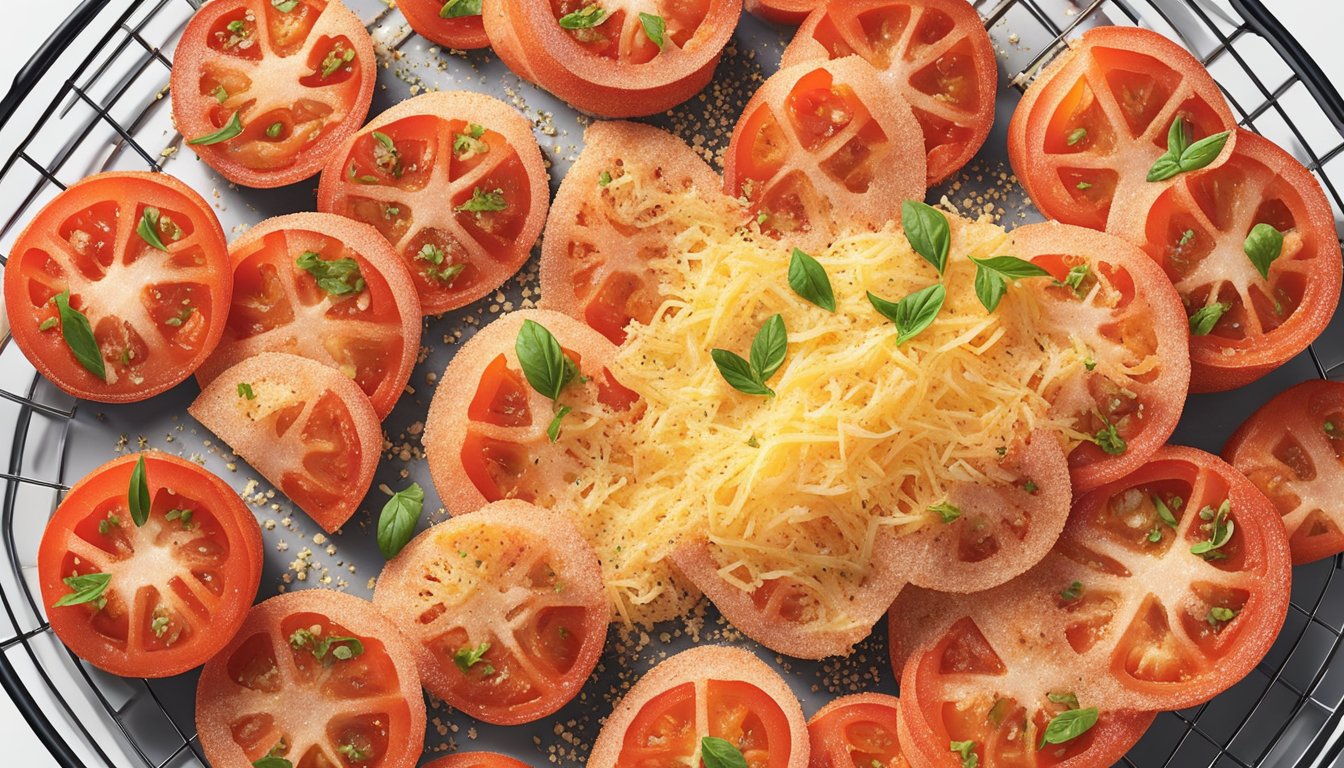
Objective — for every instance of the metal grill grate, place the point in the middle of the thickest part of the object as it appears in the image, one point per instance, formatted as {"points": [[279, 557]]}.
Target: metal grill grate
{"points": [[110, 111]]}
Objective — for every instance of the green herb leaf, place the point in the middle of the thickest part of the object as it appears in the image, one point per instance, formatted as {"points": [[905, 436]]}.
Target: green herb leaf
{"points": [[945, 511], [926, 229], [273, 758], [138, 495], [1076, 135], [1205, 318], [720, 753], [1074, 280], [482, 202], [1163, 511], [232, 128], [78, 335], [966, 750], [1069, 725], [992, 276], [469, 656], [604, 178], [148, 228], [396, 523], [245, 391], [808, 279], [1069, 700], [337, 277], [654, 28], [1182, 157], [585, 18], [1220, 615], [220, 94], [547, 368], [284, 6], [913, 313], [1263, 245], [456, 9], [553, 429], [769, 348], [273, 130], [469, 144], [86, 588], [1219, 527], [738, 373], [1072, 592]]}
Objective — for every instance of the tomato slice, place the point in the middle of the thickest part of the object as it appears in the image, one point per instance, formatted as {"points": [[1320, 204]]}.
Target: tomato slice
{"points": [[1092, 124], [1127, 322], [706, 691], [486, 433], [508, 607], [857, 731], [317, 677], [784, 11], [476, 760], [1293, 450], [1197, 230], [822, 146], [433, 19], [455, 181], [296, 83], [155, 314], [596, 254], [370, 335], [306, 428], [606, 62], [178, 586], [935, 52]]}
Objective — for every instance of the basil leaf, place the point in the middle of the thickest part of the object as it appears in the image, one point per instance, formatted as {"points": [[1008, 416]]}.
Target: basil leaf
{"points": [[1263, 245], [926, 229], [1181, 156], [1206, 317], [230, 129], [78, 334], [1069, 700], [469, 656], [553, 429], [455, 9], [947, 512], [914, 313], [1164, 168], [337, 277], [966, 751], [1071, 593], [738, 373], [1108, 438], [654, 28], [769, 348], [1069, 725], [808, 279], [484, 201], [585, 18], [1176, 140], [271, 761], [245, 391], [148, 228], [1204, 151], [720, 753], [284, 6], [87, 588], [992, 276], [138, 495], [396, 523], [544, 363]]}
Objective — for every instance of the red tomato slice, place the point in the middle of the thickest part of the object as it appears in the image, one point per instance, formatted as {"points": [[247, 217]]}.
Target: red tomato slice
{"points": [[1266, 321], [1094, 122], [305, 427], [1127, 321], [485, 436], [476, 760], [612, 68], [706, 691], [318, 678], [371, 335], [856, 731], [297, 82], [178, 587], [824, 145], [595, 255], [155, 315], [1293, 449], [783, 11], [508, 607], [433, 19], [455, 182], [936, 53]]}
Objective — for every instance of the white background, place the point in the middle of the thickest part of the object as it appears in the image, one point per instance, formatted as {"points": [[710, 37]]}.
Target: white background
{"points": [[1316, 23]]}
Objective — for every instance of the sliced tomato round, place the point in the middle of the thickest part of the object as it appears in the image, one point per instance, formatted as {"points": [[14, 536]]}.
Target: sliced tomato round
{"points": [[326, 288], [508, 607], [1114, 305], [629, 60], [476, 760], [1244, 324], [308, 429], [455, 181], [856, 731], [711, 690], [1091, 126], [152, 599], [449, 23], [317, 678], [265, 92], [783, 11], [141, 317], [822, 146], [596, 253], [1293, 450], [486, 434], [936, 53]]}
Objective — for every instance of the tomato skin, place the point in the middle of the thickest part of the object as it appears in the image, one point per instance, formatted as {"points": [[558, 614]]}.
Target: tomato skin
{"points": [[197, 64], [871, 719], [783, 11], [112, 203], [476, 760], [462, 33], [221, 515]]}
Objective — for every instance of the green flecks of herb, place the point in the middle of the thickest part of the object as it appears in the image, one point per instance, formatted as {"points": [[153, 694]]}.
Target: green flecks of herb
{"points": [[1090, 363], [1083, 186], [1219, 526], [966, 751], [183, 515], [338, 277], [78, 334], [1069, 700], [1075, 136], [232, 128], [655, 28], [553, 429], [237, 27], [327, 650], [138, 494], [284, 6], [1330, 429], [808, 279], [912, 314], [456, 9], [220, 94], [469, 656], [1069, 725], [997, 712], [273, 758], [1074, 280], [1263, 246], [352, 752], [361, 179], [762, 216], [948, 513], [992, 276], [604, 178], [148, 228], [483, 201], [1181, 156], [720, 753], [396, 524], [245, 391], [768, 350], [1164, 512], [434, 256], [1072, 592], [386, 156], [752, 442], [273, 130], [927, 230], [469, 144], [1219, 615], [85, 588], [586, 17], [336, 58], [1205, 318], [1186, 238], [159, 625], [1029, 486], [106, 525], [1109, 440], [48, 324]]}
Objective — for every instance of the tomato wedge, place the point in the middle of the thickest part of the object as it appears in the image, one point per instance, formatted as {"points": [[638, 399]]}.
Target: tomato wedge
{"points": [[476, 760], [783, 11], [1096, 120], [326, 288], [508, 607], [264, 92], [610, 61], [176, 588], [857, 731], [440, 22], [305, 427], [155, 315], [1198, 231], [707, 691], [455, 181], [317, 678], [486, 433], [1116, 306], [936, 53], [822, 146], [1293, 450], [596, 252]]}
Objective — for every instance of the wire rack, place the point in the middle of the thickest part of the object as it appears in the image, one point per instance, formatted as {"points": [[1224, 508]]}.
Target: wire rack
{"points": [[94, 98]]}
